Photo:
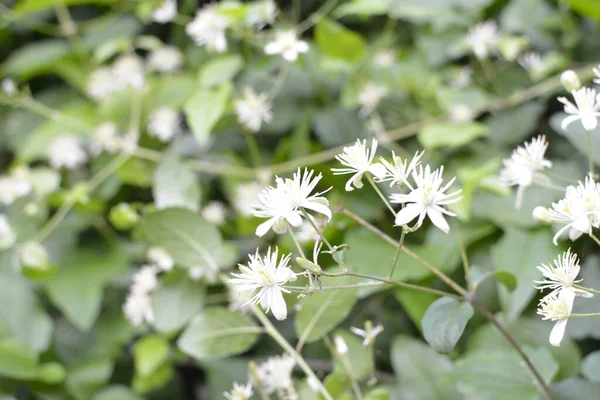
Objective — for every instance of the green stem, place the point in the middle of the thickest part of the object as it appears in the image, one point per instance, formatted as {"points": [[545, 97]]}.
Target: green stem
{"points": [[381, 196], [253, 149], [316, 16], [590, 153], [559, 177], [296, 242], [288, 348], [316, 228], [397, 255], [590, 290], [463, 254], [585, 315], [347, 365], [595, 238]]}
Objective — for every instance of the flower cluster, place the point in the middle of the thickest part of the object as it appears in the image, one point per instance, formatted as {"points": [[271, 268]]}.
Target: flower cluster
{"points": [[126, 71]]}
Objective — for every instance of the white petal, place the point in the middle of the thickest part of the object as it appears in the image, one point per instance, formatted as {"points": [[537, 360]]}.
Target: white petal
{"points": [[558, 331], [407, 214], [568, 121], [438, 219], [378, 170], [589, 122], [272, 48], [263, 228], [278, 307]]}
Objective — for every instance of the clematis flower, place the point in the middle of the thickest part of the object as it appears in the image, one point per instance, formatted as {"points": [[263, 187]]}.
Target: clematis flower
{"points": [[358, 160], [67, 151], [164, 123], [208, 27], [562, 275], [482, 38], [287, 44], [586, 108], [166, 12], [239, 392], [369, 333], [557, 307], [276, 373], [401, 170], [253, 109]]}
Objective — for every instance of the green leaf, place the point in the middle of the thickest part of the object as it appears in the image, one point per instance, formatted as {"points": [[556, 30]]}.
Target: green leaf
{"points": [[17, 361], [378, 394], [218, 332], [186, 236], [322, 312], [444, 323], [157, 379], [25, 7], [204, 109], [590, 368], [587, 8], [337, 41], [117, 392], [175, 185], [363, 8], [415, 303], [35, 58], [358, 355], [575, 388], [78, 286], [136, 172], [176, 300], [436, 135], [149, 353], [513, 125], [420, 371], [220, 70], [479, 274], [52, 373], [519, 252], [336, 126], [500, 375], [86, 379]]}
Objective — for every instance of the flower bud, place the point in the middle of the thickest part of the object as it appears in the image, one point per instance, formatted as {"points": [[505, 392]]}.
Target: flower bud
{"points": [[35, 262], [123, 217], [309, 266], [340, 345], [570, 80], [542, 214]]}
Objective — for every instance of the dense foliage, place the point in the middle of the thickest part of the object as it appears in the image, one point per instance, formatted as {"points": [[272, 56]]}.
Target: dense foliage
{"points": [[136, 136]]}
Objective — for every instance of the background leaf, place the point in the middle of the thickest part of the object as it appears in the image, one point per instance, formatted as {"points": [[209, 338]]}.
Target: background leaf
{"points": [[444, 322]]}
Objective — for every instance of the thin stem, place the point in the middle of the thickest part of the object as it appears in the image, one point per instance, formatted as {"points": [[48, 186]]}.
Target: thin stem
{"points": [[586, 289], [296, 242], [288, 348], [316, 16], [316, 228], [279, 80], [559, 177], [397, 255], [34, 106], [590, 153], [585, 315], [69, 29], [253, 148], [490, 317], [381, 196], [463, 254], [595, 238]]}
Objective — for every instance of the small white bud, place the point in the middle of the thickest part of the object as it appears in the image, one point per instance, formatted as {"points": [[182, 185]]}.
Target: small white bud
{"points": [[570, 80], [542, 214], [9, 88], [30, 209], [340, 345]]}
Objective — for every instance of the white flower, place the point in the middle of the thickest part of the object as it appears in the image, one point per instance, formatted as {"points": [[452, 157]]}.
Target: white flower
{"points": [[253, 109], [102, 82], [570, 80], [340, 345], [358, 159], [426, 199], [264, 278], [138, 308], [105, 138], [7, 235], [165, 59], [401, 170], [557, 307], [13, 187], [307, 233], [369, 98], [214, 212], [9, 88], [461, 113], [239, 301], [159, 257], [482, 38], [196, 273], [128, 71], [596, 71], [239, 392], [542, 214], [586, 108], [166, 12], [532, 62], [145, 280], [276, 373], [462, 78], [579, 209], [246, 195], [164, 123], [261, 13], [562, 275], [66, 151], [369, 333], [384, 58], [287, 44], [282, 203], [524, 166], [208, 29]]}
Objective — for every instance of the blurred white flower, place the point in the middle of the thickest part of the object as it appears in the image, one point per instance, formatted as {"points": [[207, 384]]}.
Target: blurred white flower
{"points": [[105, 138], [281, 203], [542, 214], [287, 44], [307, 233], [579, 209], [401, 170], [253, 109], [161, 258], [596, 71], [239, 301], [369, 97], [9, 88], [208, 27], [525, 165], [246, 194], [562, 275], [369, 333], [427, 199], [313, 384], [586, 108], [239, 392], [261, 13], [384, 58], [128, 71], [570, 80], [13, 187], [166, 12], [276, 373], [532, 62], [264, 279], [145, 279], [138, 308], [214, 212], [462, 78], [7, 235], [102, 82], [482, 38], [340, 345], [164, 123], [66, 151], [461, 113], [165, 59], [359, 160], [557, 307]]}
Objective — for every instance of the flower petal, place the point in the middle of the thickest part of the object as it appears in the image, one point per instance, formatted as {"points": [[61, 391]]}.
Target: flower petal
{"points": [[558, 331], [407, 214], [438, 219], [278, 306]]}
